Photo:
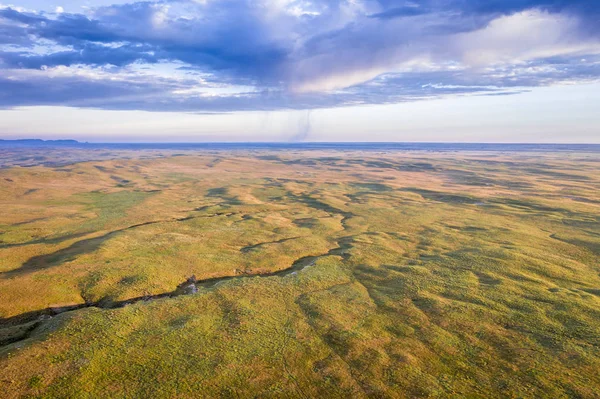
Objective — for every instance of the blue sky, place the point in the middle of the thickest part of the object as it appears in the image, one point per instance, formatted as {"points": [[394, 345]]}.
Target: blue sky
{"points": [[288, 70]]}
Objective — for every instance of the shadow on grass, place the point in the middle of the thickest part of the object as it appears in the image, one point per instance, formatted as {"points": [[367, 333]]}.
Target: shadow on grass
{"points": [[85, 246], [453, 199]]}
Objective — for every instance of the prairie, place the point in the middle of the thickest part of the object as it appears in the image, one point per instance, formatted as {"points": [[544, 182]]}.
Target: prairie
{"points": [[319, 273]]}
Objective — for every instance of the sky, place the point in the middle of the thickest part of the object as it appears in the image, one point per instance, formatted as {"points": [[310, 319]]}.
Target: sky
{"points": [[293, 70]]}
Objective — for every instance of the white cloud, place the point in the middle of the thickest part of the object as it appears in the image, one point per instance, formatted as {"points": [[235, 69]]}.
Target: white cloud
{"points": [[310, 54], [396, 47], [160, 16], [522, 37]]}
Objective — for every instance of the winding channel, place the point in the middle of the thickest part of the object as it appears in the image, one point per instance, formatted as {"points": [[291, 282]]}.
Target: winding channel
{"points": [[21, 327]]}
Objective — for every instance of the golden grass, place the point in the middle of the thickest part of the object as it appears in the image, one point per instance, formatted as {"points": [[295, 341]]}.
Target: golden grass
{"points": [[436, 275]]}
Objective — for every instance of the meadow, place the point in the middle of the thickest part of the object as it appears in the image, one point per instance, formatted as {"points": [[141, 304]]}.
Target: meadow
{"points": [[315, 273]]}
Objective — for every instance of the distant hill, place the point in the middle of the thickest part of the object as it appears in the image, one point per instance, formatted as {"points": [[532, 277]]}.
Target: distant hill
{"points": [[39, 143], [277, 146]]}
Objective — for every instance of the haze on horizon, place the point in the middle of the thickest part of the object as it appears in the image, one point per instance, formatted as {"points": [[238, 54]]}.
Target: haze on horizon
{"points": [[288, 70]]}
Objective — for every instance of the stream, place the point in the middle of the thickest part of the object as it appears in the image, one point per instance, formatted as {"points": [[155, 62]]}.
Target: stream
{"points": [[20, 327]]}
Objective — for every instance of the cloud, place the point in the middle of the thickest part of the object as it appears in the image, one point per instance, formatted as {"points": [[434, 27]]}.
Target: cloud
{"points": [[232, 55], [525, 36]]}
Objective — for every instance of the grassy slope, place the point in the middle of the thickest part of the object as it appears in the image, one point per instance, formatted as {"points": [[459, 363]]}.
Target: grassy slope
{"points": [[457, 276]]}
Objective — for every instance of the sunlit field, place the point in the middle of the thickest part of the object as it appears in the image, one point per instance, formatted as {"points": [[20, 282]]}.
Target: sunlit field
{"points": [[296, 273]]}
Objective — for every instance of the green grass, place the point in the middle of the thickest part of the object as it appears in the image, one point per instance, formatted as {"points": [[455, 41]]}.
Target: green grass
{"points": [[109, 207], [423, 285]]}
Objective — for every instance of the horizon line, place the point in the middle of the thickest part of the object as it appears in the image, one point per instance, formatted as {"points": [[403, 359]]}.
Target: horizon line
{"points": [[296, 142]]}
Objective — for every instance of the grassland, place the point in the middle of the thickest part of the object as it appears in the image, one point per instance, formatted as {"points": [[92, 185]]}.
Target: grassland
{"points": [[409, 274]]}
